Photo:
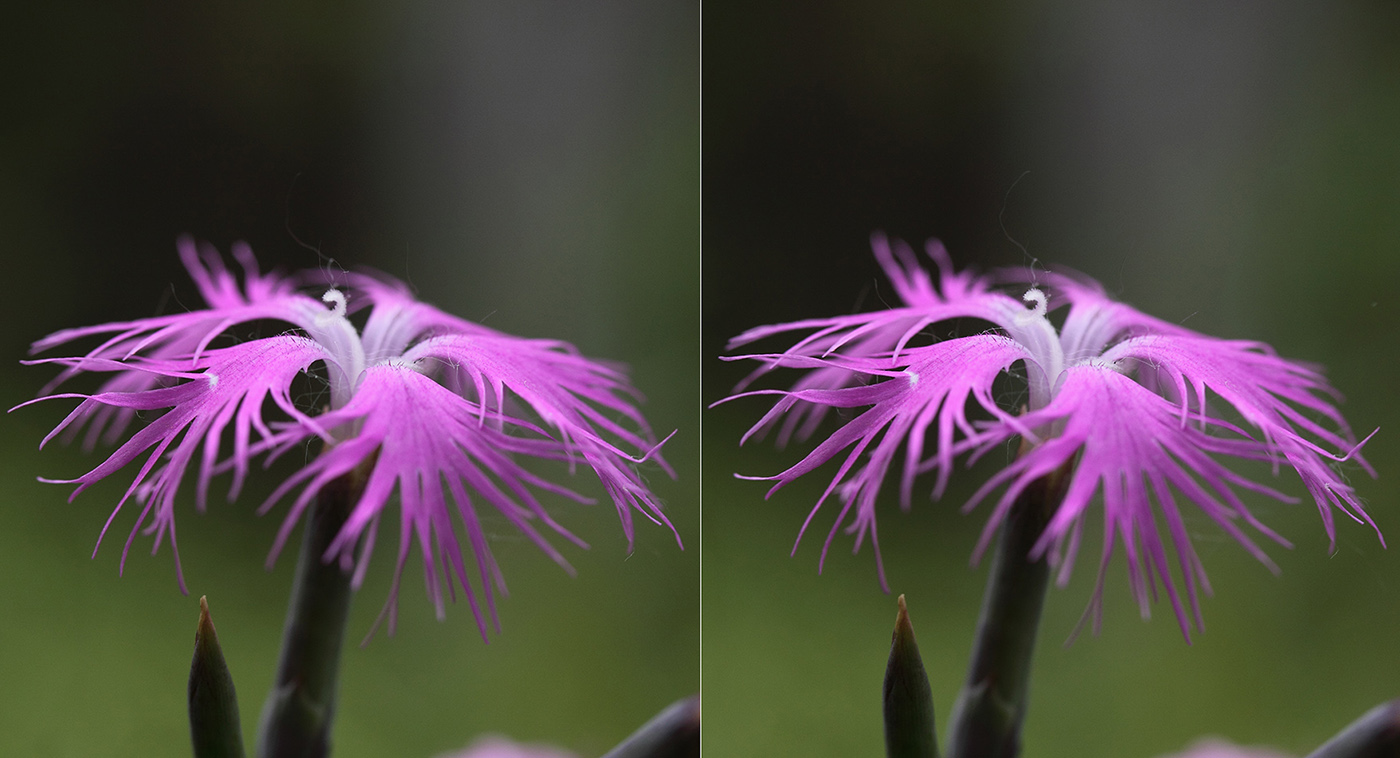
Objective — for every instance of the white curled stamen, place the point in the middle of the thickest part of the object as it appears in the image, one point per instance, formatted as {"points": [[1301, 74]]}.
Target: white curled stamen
{"points": [[336, 299], [1037, 311]]}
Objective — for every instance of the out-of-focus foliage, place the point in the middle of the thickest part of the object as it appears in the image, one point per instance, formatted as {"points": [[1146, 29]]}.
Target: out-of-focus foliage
{"points": [[1236, 169], [523, 164]]}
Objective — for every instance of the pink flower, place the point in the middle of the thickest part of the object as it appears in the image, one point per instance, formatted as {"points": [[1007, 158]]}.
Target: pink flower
{"points": [[420, 400], [500, 747], [1134, 404], [1213, 748]]}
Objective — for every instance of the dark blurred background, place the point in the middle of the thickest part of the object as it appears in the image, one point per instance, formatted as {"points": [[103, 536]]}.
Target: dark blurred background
{"points": [[530, 165], [1234, 168]]}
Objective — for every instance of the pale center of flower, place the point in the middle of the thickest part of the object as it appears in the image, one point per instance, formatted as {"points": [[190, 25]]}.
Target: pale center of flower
{"points": [[337, 335], [1031, 328]]}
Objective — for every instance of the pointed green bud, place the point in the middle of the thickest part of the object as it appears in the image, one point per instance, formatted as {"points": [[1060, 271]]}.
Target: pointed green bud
{"points": [[909, 729], [674, 733], [213, 703], [1374, 735]]}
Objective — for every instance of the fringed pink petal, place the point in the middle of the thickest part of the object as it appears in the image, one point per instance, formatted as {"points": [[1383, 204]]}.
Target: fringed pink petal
{"points": [[420, 435], [227, 386]]}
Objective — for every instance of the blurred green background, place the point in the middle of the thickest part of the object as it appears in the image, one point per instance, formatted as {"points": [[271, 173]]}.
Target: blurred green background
{"points": [[1232, 167], [530, 165]]}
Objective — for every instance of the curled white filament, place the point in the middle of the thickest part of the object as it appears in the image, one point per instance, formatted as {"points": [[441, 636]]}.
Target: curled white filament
{"points": [[1033, 295], [336, 299]]}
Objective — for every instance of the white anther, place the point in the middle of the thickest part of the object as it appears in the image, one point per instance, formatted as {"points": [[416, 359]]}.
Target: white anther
{"points": [[212, 378], [1038, 310], [336, 299], [913, 377]]}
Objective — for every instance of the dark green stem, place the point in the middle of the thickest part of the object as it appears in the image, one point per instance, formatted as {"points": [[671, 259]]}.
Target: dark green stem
{"points": [[673, 733], [1375, 735], [296, 721], [986, 720]]}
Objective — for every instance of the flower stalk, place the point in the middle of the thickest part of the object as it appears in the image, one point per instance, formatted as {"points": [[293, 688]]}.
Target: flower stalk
{"points": [[1375, 735], [987, 717], [672, 733], [297, 717]]}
